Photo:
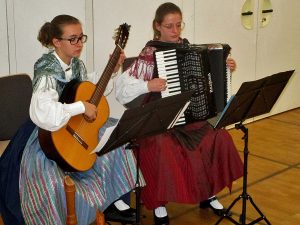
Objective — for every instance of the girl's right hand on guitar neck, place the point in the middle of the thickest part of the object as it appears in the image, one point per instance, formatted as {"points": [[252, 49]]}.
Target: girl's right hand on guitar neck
{"points": [[90, 113]]}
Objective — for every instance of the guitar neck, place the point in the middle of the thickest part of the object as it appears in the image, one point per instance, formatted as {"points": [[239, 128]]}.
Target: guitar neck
{"points": [[106, 75]]}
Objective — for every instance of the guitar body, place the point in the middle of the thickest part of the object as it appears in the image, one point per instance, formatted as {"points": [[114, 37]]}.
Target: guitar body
{"points": [[71, 145]]}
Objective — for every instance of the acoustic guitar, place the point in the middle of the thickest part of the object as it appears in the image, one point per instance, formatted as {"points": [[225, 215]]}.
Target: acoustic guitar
{"points": [[71, 146]]}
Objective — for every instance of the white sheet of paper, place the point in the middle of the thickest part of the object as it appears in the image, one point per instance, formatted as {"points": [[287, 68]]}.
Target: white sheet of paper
{"points": [[105, 138], [179, 114]]}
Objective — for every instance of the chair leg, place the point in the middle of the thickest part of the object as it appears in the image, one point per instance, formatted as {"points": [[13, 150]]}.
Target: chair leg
{"points": [[70, 199], [100, 218], [70, 189]]}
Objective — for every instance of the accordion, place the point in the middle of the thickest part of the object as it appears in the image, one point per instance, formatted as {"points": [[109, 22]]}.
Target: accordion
{"points": [[199, 68]]}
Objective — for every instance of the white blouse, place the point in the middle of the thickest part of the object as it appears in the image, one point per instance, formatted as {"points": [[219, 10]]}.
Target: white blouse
{"points": [[45, 109], [129, 87]]}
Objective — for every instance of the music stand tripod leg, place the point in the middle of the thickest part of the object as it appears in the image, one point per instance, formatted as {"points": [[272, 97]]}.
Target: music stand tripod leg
{"points": [[135, 147], [226, 213], [263, 217], [244, 196]]}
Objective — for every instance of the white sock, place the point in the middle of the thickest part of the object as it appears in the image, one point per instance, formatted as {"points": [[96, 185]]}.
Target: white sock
{"points": [[121, 205], [216, 204], [160, 211]]}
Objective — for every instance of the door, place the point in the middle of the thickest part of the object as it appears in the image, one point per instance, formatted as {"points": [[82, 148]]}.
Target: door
{"points": [[269, 46], [278, 48]]}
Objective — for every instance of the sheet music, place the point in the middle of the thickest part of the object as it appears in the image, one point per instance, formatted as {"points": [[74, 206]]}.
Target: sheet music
{"points": [[224, 110], [108, 131], [179, 114]]}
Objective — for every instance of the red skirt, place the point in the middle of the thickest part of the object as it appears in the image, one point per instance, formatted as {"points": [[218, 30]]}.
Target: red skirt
{"points": [[174, 173]]}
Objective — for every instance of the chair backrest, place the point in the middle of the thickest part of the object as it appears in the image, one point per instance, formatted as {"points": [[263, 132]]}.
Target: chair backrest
{"points": [[15, 96], [127, 62]]}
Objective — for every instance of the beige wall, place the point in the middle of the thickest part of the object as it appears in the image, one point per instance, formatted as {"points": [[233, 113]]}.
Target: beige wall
{"points": [[259, 52], [23, 20], [4, 65]]}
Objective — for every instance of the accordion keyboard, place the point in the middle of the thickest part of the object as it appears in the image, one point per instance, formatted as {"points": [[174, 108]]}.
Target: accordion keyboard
{"points": [[167, 68]]}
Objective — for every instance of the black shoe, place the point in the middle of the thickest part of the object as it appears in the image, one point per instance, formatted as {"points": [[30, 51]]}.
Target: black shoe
{"points": [[219, 212], [112, 209], [160, 220]]}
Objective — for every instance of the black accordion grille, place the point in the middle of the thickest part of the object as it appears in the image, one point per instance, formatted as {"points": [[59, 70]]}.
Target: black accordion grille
{"points": [[193, 66]]}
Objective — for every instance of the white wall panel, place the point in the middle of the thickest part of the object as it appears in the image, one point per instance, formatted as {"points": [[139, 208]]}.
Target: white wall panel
{"points": [[278, 49], [220, 22], [4, 63], [258, 52], [28, 16], [261, 51]]}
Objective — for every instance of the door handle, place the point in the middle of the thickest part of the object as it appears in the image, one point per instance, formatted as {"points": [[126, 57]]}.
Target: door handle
{"points": [[247, 14], [266, 12]]}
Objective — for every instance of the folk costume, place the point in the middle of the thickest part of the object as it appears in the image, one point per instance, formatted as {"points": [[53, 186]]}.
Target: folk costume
{"points": [[41, 187], [188, 164]]}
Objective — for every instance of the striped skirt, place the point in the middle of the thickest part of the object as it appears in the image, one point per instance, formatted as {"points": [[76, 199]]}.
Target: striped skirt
{"points": [[41, 184]]}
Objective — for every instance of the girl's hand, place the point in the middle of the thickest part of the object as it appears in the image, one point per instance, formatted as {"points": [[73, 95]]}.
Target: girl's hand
{"points": [[90, 113], [230, 62], [120, 61], [157, 85]]}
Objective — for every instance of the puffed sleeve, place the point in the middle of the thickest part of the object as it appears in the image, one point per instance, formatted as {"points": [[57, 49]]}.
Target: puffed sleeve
{"points": [[45, 109]]}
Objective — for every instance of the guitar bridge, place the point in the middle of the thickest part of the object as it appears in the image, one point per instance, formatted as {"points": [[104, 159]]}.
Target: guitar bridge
{"points": [[77, 137]]}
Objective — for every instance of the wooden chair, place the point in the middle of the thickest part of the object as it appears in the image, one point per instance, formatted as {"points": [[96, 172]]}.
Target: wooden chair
{"points": [[15, 95], [70, 198], [127, 62]]}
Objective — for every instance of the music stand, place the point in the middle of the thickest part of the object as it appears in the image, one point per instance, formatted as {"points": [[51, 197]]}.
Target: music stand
{"points": [[252, 99], [149, 119]]}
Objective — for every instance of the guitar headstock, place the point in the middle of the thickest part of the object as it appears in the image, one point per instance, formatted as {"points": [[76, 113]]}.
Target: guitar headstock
{"points": [[122, 34]]}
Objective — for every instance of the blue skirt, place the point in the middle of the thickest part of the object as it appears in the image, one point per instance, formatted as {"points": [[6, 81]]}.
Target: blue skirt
{"points": [[33, 190], [9, 175]]}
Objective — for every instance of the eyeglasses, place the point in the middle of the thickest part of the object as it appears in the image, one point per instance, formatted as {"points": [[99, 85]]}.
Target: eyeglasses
{"points": [[170, 26], [75, 40]]}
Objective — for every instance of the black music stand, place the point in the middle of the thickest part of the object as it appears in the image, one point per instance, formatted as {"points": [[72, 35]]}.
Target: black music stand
{"points": [[252, 99], [136, 123]]}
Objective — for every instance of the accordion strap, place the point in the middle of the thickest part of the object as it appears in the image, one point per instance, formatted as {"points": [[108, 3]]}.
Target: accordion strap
{"points": [[167, 45]]}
